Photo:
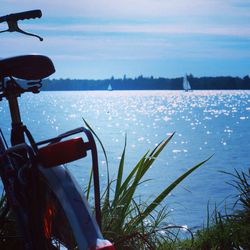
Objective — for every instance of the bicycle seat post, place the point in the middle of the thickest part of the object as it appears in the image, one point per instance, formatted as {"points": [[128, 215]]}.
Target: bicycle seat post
{"points": [[17, 128]]}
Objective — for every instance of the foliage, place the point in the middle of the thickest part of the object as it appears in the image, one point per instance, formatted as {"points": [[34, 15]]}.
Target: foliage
{"points": [[129, 222], [229, 231], [148, 83], [241, 183]]}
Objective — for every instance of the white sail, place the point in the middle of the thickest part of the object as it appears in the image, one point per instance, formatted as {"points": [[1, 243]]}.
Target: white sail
{"points": [[110, 87], [186, 84]]}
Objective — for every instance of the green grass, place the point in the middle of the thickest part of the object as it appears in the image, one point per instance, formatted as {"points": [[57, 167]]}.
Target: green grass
{"points": [[135, 224], [223, 230], [229, 231], [132, 223]]}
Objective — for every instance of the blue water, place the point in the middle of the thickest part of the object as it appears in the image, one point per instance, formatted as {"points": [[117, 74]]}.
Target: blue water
{"points": [[205, 123]]}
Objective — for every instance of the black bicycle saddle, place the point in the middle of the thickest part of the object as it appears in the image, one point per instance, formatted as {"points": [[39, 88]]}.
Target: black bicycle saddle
{"points": [[27, 67]]}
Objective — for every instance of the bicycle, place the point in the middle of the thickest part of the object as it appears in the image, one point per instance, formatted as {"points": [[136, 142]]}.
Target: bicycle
{"points": [[49, 206]]}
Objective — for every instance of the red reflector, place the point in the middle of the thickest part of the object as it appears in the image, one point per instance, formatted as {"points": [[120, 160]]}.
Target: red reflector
{"points": [[48, 219], [62, 152]]}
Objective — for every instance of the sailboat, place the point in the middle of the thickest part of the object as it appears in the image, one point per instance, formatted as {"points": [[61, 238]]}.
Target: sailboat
{"points": [[109, 87], [186, 84]]}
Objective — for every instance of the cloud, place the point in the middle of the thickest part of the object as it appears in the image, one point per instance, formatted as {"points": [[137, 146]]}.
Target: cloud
{"points": [[151, 28], [229, 17], [130, 8], [130, 47], [139, 31]]}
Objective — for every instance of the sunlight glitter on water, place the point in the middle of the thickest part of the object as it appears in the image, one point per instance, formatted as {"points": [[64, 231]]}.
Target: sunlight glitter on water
{"points": [[205, 122]]}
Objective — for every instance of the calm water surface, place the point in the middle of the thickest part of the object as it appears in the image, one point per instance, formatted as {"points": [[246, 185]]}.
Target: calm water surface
{"points": [[205, 123]]}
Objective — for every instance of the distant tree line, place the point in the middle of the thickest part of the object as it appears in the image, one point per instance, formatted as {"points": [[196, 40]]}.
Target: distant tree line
{"points": [[148, 83]]}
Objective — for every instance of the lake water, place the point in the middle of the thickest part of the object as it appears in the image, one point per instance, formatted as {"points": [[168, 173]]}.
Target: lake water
{"points": [[205, 123]]}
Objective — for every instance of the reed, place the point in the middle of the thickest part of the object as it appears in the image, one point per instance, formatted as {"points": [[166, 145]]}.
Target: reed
{"points": [[224, 230], [132, 223]]}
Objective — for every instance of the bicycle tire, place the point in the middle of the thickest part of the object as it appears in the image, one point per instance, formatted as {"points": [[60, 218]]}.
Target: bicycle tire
{"points": [[51, 211], [46, 223], [56, 230], [67, 220]]}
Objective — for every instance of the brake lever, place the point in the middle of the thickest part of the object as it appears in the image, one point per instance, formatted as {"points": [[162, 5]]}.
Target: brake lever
{"points": [[13, 26]]}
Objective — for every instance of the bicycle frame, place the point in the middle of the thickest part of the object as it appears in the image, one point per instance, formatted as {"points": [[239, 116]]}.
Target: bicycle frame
{"points": [[64, 186]]}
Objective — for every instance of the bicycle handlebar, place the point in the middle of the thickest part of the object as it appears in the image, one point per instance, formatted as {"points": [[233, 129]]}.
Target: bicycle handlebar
{"points": [[12, 21], [21, 16]]}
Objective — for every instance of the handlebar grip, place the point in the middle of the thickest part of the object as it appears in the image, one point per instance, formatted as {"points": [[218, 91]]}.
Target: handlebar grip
{"points": [[22, 15]]}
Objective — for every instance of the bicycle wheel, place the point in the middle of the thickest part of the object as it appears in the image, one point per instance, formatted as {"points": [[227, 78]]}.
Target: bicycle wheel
{"points": [[56, 229], [46, 225], [67, 221], [51, 210]]}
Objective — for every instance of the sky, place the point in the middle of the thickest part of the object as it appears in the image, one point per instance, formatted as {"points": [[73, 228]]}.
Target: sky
{"points": [[98, 39]]}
